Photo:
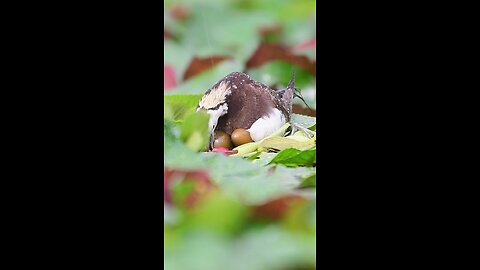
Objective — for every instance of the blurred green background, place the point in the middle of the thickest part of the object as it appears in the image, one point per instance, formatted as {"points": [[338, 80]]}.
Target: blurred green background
{"points": [[232, 213], [235, 29]]}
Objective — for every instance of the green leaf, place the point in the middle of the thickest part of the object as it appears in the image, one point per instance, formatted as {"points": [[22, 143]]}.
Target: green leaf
{"points": [[176, 107], [177, 56], [180, 191], [168, 111], [198, 250], [195, 130], [299, 173], [216, 30], [245, 149], [273, 248], [299, 218], [265, 158], [189, 101], [285, 11], [251, 182], [254, 156], [171, 132], [176, 153], [310, 181], [218, 213], [280, 72], [179, 156], [203, 81], [293, 157]]}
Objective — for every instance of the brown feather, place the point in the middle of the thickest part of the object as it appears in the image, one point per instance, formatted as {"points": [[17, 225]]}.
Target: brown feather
{"points": [[248, 101]]}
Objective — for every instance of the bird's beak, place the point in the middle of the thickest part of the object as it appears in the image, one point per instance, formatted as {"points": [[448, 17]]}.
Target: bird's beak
{"points": [[211, 141]]}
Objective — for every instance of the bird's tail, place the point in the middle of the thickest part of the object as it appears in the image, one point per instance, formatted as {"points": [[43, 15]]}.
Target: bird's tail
{"points": [[291, 84], [288, 94]]}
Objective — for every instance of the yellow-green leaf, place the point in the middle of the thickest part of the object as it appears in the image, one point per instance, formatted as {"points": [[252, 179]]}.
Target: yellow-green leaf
{"points": [[246, 149], [281, 143]]}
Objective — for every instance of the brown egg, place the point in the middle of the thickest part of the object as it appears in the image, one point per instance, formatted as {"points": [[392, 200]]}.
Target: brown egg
{"points": [[222, 139], [241, 136]]}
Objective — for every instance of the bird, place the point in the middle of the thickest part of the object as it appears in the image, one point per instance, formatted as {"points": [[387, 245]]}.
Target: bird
{"points": [[238, 101]]}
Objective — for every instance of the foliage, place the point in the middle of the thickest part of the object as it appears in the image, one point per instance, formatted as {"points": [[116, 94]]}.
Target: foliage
{"points": [[255, 209], [292, 157]]}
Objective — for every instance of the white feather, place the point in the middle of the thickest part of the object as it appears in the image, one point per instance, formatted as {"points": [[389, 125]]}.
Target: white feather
{"points": [[216, 96], [267, 125], [215, 114]]}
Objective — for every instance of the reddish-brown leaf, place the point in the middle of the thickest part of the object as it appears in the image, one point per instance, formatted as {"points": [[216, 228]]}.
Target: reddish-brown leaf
{"points": [[309, 44], [267, 52], [272, 29], [167, 196], [299, 109], [199, 65], [200, 178], [277, 209], [179, 12], [166, 35]]}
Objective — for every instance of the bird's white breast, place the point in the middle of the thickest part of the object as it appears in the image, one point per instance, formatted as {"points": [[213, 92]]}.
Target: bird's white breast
{"points": [[267, 125]]}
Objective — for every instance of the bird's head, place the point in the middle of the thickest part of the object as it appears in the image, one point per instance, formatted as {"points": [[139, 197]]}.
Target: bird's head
{"points": [[214, 102]]}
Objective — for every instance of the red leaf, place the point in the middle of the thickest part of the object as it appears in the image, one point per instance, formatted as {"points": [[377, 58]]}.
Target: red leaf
{"points": [[201, 179], [299, 109], [277, 209], [267, 52], [169, 77], [199, 65], [179, 12], [166, 35], [226, 151], [309, 44]]}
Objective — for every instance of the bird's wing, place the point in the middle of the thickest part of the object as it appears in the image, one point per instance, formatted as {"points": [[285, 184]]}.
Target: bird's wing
{"points": [[249, 101]]}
